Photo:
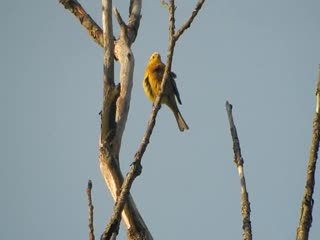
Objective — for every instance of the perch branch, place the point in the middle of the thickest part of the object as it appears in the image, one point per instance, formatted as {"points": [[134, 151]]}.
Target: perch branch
{"points": [[245, 204], [136, 168], [307, 201], [90, 206]]}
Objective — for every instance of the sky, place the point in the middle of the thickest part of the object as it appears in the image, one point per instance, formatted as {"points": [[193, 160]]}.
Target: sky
{"points": [[261, 56]]}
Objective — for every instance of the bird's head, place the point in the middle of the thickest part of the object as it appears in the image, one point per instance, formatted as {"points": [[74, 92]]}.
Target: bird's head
{"points": [[155, 57]]}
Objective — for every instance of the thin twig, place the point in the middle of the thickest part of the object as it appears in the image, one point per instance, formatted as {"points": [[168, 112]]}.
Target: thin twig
{"points": [[91, 229], [307, 201], [245, 204], [118, 17], [190, 20]]}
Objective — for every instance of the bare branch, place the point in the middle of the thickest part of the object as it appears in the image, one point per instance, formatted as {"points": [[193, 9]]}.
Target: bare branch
{"points": [[172, 26], [92, 27], [126, 60], [110, 92], [116, 104], [108, 63], [136, 168], [114, 222], [307, 201], [111, 172], [91, 229], [157, 104], [110, 147], [118, 17], [245, 204], [134, 19], [318, 92], [190, 20]]}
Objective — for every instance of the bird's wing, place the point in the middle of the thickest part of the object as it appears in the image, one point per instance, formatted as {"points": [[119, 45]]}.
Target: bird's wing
{"points": [[173, 75], [174, 87], [159, 70], [148, 87]]}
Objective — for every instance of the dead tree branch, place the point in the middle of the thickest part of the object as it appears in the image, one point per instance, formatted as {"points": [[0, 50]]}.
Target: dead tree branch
{"points": [[245, 204], [307, 201], [92, 27], [116, 102], [114, 116], [136, 167], [90, 206]]}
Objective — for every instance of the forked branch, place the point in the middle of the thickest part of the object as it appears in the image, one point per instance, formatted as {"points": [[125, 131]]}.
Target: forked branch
{"points": [[135, 169], [116, 106], [118, 112]]}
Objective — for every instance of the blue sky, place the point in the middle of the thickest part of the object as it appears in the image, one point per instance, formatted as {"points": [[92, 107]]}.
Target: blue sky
{"points": [[262, 56]]}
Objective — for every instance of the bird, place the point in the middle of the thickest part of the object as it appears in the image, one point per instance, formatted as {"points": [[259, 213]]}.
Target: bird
{"points": [[152, 83]]}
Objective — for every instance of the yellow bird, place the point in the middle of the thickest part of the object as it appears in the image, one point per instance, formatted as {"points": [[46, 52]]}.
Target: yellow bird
{"points": [[152, 83]]}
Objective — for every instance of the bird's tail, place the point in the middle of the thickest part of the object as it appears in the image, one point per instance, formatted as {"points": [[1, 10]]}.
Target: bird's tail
{"points": [[181, 122]]}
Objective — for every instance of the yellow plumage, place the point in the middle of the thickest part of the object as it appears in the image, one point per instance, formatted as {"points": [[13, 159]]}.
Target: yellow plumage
{"points": [[152, 83]]}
